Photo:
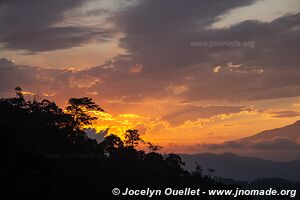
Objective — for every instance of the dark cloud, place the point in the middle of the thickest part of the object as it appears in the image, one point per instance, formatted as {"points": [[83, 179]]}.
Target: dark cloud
{"points": [[54, 38], [158, 36], [285, 113], [192, 113], [37, 26], [38, 80], [159, 33]]}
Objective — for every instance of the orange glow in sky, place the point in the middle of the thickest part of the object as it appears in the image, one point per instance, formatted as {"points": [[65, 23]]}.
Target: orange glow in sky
{"points": [[135, 59]]}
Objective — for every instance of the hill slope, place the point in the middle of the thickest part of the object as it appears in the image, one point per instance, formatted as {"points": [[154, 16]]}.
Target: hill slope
{"points": [[291, 131], [243, 168]]}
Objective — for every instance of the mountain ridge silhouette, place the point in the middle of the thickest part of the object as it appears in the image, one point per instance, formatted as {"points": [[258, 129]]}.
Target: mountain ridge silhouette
{"points": [[229, 165]]}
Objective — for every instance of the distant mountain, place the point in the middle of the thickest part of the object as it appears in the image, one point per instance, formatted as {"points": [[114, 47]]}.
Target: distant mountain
{"points": [[243, 168], [290, 131], [279, 144]]}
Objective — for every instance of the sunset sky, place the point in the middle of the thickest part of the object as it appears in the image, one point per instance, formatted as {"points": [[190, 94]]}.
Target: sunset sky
{"points": [[135, 59]]}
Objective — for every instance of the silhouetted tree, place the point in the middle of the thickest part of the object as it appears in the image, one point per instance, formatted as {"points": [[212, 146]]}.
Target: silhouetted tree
{"points": [[19, 100], [132, 138], [79, 109], [19, 93], [152, 147], [175, 162], [210, 172], [198, 170], [111, 143]]}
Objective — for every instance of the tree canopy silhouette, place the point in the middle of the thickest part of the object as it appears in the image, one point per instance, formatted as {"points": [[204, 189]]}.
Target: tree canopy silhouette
{"points": [[132, 138], [79, 109]]}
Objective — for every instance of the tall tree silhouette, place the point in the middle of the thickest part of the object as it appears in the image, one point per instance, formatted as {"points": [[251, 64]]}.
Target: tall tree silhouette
{"points": [[79, 109], [132, 138], [19, 100]]}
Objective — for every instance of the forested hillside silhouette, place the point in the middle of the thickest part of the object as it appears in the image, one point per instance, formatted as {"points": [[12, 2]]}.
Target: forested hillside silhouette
{"points": [[46, 154]]}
